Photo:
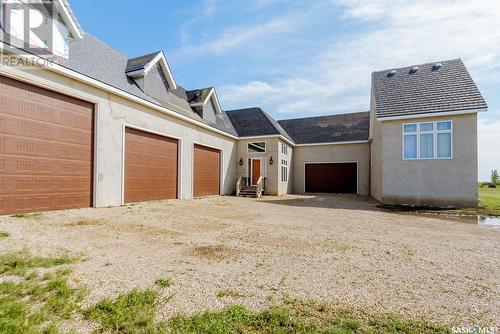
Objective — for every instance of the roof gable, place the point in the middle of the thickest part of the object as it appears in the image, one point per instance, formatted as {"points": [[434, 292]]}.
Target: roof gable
{"points": [[140, 66], [200, 97], [69, 18], [427, 88]]}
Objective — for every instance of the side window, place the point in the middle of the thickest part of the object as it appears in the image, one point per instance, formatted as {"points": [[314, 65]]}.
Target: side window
{"points": [[428, 140]]}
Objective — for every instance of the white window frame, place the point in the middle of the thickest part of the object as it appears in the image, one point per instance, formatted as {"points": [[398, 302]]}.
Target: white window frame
{"points": [[257, 142], [434, 132], [284, 149], [284, 170]]}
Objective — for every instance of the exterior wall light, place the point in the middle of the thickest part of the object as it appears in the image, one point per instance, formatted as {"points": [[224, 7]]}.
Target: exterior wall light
{"points": [[241, 161], [271, 161]]}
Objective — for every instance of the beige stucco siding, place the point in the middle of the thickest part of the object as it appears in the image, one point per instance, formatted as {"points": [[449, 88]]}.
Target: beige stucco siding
{"points": [[112, 113], [267, 170], [359, 153], [451, 182]]}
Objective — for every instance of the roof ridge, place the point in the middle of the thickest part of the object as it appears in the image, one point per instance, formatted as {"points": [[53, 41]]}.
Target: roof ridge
{"points": [[323, 116], [422, 64]]}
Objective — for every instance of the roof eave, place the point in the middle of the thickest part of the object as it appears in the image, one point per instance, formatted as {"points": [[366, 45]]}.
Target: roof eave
{"points": [[434, 114], [269, 136]]}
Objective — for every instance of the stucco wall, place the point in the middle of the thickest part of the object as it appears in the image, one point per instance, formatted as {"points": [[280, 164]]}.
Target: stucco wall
{"points": [[112, 112], [431, 182], [267, 170], [376, 167], [332, 153]]}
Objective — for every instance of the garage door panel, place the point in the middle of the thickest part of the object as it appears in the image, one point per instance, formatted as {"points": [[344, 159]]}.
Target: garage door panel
{"points": [[17, 127], [331, 178], [206, 171], [48, 110], [151, 166], [46, 149], [18, 165]]}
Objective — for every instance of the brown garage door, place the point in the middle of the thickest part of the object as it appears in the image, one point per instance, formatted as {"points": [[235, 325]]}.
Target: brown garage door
{"points": [[46, 149], [206, 171], [150, 166], [331, 178]]}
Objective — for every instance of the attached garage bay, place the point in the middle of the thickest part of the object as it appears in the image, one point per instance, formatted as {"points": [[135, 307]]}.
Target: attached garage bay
{"points": [[151, 166], [46, 149], [207, 171], [331, 177]]}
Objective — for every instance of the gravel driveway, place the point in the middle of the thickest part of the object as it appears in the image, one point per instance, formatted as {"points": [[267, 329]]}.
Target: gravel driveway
{"points": [[339, 249]]}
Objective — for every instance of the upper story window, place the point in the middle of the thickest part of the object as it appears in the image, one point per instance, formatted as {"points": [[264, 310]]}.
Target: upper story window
{"points": [[428, 140], [259, 147], [284, 149]]}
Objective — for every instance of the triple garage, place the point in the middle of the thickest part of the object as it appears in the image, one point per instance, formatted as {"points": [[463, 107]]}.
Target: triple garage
{"points": [[47, 155]]}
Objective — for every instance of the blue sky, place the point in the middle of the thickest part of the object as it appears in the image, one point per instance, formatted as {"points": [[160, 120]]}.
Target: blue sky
{"points": [[310, 57]]}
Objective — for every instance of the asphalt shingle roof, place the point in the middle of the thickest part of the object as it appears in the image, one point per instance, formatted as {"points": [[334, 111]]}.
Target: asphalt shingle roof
{"points": [[253, 122], [140, 63], [328, 129], [97, 60], [428, 90]]}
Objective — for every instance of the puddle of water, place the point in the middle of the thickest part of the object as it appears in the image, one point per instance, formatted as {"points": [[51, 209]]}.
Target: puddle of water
{"points": [[489, 221], [479, 220]]}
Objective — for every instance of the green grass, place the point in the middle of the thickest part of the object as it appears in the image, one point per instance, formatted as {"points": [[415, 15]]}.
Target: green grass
{"points": [[164, 282], [30, 303], [4, 234], [35, 215], [20, 263], [133, 312], [229, 293], [489, 201], [299, 317]]}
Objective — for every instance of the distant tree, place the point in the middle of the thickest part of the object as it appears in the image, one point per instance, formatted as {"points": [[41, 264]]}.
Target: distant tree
{"points": [[495, 177]]}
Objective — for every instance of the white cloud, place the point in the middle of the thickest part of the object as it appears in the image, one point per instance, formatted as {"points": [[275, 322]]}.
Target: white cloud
{"points": [[488, 152], [250, 37], [395, 33]]}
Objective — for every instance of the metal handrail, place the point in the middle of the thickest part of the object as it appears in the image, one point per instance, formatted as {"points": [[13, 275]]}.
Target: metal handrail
{"points": [[238, 186], [260, 186]]}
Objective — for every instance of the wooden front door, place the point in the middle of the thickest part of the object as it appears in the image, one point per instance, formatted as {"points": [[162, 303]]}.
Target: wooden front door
{"points": [[255, 171]]}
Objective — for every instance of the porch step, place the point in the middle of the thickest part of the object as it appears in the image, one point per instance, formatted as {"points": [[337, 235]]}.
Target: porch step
{"points": [[248, 191]]}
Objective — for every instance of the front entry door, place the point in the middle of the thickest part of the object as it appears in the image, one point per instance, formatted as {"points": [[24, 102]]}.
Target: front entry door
{"points": [[255, 171]]}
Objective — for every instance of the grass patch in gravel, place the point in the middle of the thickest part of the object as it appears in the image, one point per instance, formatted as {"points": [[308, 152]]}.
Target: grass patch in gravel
{"points": [[229, 293], [299, 317], [86, 222], [164, 282], [133, 312], [35, 215], [4, 234], [31, 303], [20, 263]]}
